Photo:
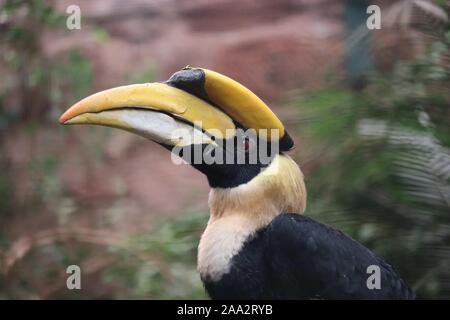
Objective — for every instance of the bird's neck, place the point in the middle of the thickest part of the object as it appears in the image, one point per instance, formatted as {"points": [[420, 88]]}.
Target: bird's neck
{"points": [[238, 213], [278, 188]]}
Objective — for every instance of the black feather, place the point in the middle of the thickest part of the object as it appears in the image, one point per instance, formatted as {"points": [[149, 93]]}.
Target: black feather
{"points": [[295, 257]]}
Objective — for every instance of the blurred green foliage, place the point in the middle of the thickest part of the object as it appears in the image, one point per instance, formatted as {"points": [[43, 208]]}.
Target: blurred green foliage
{"points": [[162, 263], [34, 85], [380, 166], [34, 90]]}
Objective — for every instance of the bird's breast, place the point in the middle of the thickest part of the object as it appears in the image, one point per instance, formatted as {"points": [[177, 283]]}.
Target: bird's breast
{"points": [[222, 239]]}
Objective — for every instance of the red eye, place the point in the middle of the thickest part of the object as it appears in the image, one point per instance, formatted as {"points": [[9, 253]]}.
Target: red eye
{"points": [[246, 144]]}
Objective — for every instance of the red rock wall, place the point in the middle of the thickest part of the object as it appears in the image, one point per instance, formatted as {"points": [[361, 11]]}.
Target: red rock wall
{"points": [[269, 45]]}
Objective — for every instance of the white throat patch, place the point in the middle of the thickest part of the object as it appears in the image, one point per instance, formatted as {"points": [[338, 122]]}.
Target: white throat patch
{"points": [[238, 213]]}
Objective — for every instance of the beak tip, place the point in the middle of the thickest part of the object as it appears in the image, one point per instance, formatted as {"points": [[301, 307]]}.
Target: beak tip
{"points": [[63, 119]]}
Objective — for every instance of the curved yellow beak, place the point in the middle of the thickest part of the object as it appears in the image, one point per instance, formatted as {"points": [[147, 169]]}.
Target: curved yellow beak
{"points": [[195, 98], [113, 108]]}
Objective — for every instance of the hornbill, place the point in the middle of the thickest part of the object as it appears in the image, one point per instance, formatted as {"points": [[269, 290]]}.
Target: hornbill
{"points": [[257, 244]]}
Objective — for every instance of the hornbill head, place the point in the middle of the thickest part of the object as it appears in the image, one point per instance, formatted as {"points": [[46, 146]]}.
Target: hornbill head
{"points": [[213, 122]]}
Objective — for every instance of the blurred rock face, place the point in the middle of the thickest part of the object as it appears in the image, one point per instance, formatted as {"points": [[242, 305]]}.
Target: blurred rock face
{"points": [[269, 45]]}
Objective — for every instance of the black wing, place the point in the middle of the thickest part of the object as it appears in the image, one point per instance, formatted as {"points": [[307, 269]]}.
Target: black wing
{"points": [[311, 260]]}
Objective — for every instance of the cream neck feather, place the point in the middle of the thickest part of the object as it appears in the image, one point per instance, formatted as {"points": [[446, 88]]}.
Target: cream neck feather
{"points": [[238, 213], [277, 189]]}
